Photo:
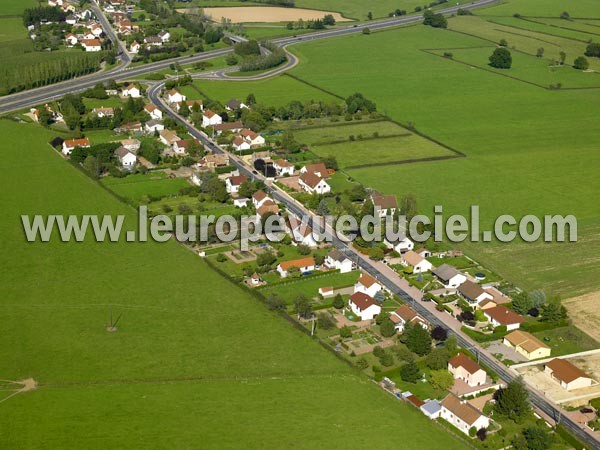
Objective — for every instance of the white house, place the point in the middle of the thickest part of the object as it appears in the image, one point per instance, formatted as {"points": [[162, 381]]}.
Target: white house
{"points": [[283, 167], [303, 234], [416, 261], [312, 183], [168, 137], [473, 293], [364, 306], [234, 183], [135, 47], [126, 158], [71, 39], [239, 144], [318, 168], [153, 111], [240, 202], [153, 126], [235, 105], [104, 112], [174, 96], [133, 145], [462, 414], [91, 45], [164, 36], [304, 265], [210, 118], [449, 276], [131, 90], [259, 197], [254, 139], [401, 245], [384, 204], [464, 368], [337, 260], [403, 315], [70, 144], [368, 285], [567, 375], [96, 30], [501, 315]]}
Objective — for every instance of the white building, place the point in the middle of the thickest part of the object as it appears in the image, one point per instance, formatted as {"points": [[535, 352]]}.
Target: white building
{"points": [[337, 260], [174, 96], [367, 285], [304, 265], [131, 90], [153, 111], [449, 276], [313, 183], [126, 158], [210, 118], [234, 183], [416, 261], [462, 414], [364, 306], [401, 245], [70, 145]]}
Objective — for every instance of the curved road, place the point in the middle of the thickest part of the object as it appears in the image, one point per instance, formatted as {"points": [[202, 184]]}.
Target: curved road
{"points": [[387, 277], [45, 94]]}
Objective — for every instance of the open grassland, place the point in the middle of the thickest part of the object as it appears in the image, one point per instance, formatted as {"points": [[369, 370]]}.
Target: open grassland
{"points": [[136, 187], [15, 7], [240, 14], [585, 314], [529, 150], [379, 142], [545, 8], [527, 68], [12, 29], [276, 91], [195, 362], [524, 40]]}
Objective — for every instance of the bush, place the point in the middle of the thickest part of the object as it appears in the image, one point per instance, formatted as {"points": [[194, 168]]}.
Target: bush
{"points": [[366, 31]]}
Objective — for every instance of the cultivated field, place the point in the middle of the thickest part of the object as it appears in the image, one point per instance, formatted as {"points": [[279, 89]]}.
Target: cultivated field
{"points": [[16, 7], [267, 14], [529, 150], [194, 358], [584, 311]]}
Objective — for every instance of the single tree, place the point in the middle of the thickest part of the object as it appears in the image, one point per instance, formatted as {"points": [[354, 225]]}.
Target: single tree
{"points": [[418, 340], [302, 306], [439, 333], [325, 321], [540, 52], [345, 332], [387, 328], [441, 379], [501, 58], [410, 372], [438, 358], [338, 302], [581, 63], [538, 438], [513, 401]]}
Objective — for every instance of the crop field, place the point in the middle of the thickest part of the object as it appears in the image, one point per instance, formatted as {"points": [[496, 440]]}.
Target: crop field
{"points": [[137, 187], [11, 29], [529, 150], [191, 351], [276, 91]]}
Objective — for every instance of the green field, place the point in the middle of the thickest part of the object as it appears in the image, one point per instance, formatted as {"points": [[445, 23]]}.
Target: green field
{"points": [[137, 187], [290, 289], [529, 150], [527, 68], [16, 7], [196, 361], [546, 8], [276, 91], [12, 29]]}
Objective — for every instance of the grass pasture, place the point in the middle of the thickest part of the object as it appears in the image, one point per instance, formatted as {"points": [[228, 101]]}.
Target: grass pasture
{"points": [[276, 91], [195, 359], [544, 8], [16, 7], [520, 142], [137, 187], [12, 29]]}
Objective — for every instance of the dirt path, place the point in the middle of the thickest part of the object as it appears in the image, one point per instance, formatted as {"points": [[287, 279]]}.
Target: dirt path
{"points": [[26, 385]]}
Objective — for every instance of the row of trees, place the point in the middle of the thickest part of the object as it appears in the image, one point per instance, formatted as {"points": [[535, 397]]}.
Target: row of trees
{"points": [[32, 16]]}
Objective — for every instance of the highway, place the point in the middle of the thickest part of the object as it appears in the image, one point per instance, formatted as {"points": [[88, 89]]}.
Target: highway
{"points": [[123, 72], [385, 275]]}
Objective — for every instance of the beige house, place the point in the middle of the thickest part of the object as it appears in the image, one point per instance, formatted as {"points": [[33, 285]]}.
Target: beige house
{"points": [[567, 375], [462, 414], [526, 344], [464, 368]]}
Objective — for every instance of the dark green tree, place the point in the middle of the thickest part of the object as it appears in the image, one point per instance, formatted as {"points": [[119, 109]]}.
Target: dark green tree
{"points": [[338, 302], [410, 372], [387, 327], [581, 63], [501, 58], [537, 438], [513, 401], [418, 340]]}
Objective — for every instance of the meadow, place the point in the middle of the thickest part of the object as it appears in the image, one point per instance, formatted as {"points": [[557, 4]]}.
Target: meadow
{"points": [[12, 29], [529, 150], [194, 359], [138, 187], [16, 7], [276, 91]]}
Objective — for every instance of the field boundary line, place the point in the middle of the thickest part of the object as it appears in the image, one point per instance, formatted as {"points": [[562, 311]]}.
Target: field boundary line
{"points": [[558, 26], [512, 77], [535, 31], [341, 124], [405, 161], [362, 139]]}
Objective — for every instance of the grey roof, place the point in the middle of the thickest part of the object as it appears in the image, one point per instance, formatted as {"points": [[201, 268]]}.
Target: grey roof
{"points": [[153, 122], [234, 104], [121, 152], [431, 407], [445, 272], [336, 255]]}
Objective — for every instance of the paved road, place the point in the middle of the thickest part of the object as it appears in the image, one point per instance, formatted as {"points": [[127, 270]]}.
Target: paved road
{"points": [[389, 278], [110, 32], [45, 94]]}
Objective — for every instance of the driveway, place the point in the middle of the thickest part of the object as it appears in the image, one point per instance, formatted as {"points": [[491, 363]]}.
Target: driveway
{"points": [[496, 347]]}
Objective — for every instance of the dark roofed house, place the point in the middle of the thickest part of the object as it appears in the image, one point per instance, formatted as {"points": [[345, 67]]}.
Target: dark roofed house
{"points": [[473, 293], [449, 276], [385, 204]]}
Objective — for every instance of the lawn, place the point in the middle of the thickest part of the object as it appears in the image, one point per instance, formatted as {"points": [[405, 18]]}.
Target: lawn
{"points": [[290, 289], [137, 187], [519, 141], [567, 340], [276, 91], [195, 358], [91, 103]]}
